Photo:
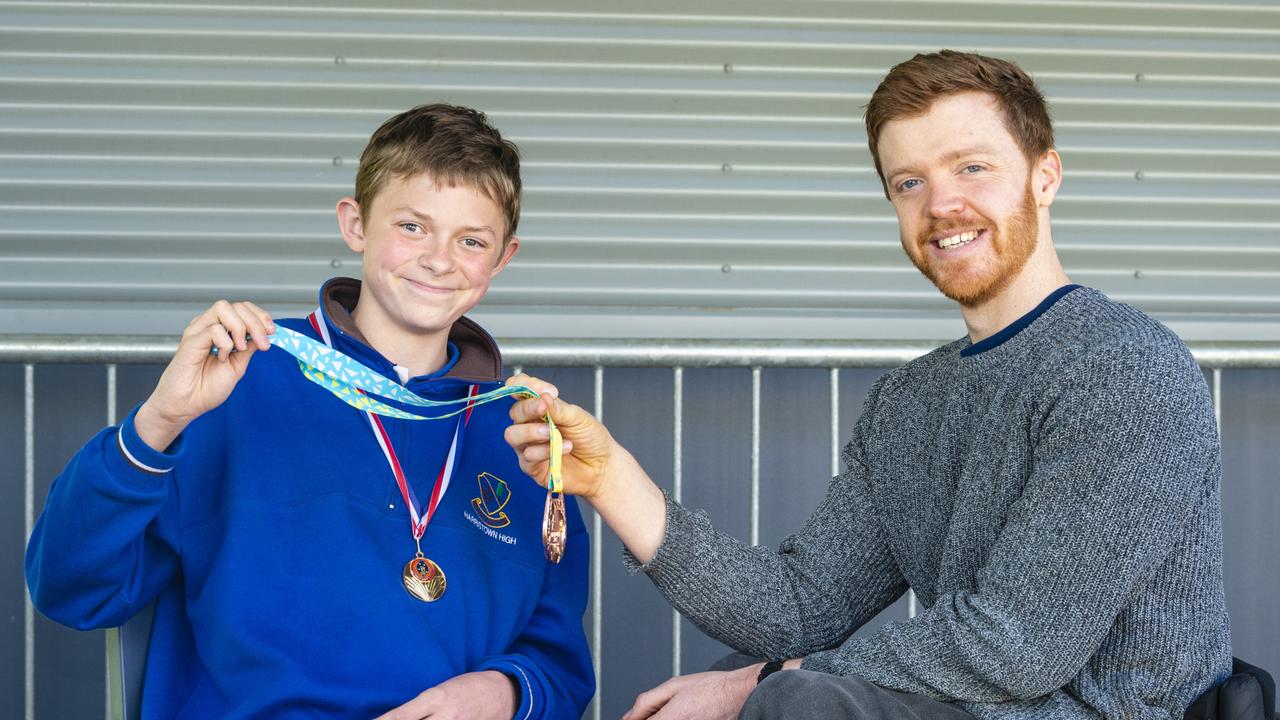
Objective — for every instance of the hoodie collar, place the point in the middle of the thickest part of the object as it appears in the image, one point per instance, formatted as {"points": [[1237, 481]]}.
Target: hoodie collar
{"points": [[473, 353]]}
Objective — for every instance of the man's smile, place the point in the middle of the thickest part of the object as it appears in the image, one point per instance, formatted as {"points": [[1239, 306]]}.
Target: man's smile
{"points": [[957, 239]]}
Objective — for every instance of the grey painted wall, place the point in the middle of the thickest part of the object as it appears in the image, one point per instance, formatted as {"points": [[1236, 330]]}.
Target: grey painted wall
{"points": [[636, 632]]}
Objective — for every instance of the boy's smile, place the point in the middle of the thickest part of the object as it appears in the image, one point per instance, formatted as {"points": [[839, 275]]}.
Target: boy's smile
{"points": [[429, 253]]}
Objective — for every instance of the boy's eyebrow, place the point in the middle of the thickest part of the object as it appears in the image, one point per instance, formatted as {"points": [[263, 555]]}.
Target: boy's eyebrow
{"points": [[426, 217]]}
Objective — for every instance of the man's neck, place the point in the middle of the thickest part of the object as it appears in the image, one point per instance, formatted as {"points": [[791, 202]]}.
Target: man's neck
{"points": [[1040, 276], [421, 354]]}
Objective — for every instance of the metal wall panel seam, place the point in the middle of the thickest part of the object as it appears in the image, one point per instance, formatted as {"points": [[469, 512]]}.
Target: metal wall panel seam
{"points": [[1217, 402], [755, 455], [597, 588], [29, 503], [692, 19], [835, 421], [111, 692], [578, 352], [677, 486]]}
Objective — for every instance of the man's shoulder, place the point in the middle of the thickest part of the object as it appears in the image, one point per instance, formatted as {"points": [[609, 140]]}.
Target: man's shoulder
{"points": [[1097, 329]]}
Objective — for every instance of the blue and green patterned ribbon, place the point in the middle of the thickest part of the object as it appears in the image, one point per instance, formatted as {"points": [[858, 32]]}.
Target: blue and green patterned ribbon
{"points": [[355, 384]]}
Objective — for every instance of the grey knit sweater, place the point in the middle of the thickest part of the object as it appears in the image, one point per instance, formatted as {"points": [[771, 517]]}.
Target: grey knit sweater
{"points": [[1053, 501]]}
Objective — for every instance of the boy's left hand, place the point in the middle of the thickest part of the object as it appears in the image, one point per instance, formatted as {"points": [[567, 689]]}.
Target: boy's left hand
{"points": [[487, 695]]}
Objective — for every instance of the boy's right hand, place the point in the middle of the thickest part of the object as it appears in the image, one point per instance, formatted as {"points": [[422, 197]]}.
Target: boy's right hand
{"points": [[197, 381]]}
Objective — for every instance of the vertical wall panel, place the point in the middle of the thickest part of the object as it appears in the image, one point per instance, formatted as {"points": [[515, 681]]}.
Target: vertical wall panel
{"points": [[717, 473], [12, 542], [71, 408], [1251, 512], [636, 654]]}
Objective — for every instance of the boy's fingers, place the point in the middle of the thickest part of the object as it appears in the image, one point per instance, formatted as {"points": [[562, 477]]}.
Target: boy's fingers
{"points": [[221, 339], [230, 319], [256, 328]]}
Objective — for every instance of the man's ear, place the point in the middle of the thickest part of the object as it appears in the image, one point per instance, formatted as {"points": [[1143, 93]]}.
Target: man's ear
{"points": [[513, 246], [1046, 178], [351, 224]]}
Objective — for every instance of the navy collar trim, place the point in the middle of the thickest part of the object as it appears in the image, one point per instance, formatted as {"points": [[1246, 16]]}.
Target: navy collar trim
{"points": [[1018, 325]]}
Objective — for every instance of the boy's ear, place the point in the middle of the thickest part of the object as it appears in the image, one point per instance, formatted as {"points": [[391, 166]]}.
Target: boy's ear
{"points": [[351, 224], [513, 245]]}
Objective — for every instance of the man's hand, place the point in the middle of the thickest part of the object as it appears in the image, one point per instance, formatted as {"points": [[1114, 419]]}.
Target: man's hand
{"points": [[595, 467], [588, 446], [703, 696], [487, 695], [195, 381]]}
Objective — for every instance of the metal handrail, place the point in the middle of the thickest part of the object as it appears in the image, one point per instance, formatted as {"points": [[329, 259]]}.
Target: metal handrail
{"points": [[571, 352]]}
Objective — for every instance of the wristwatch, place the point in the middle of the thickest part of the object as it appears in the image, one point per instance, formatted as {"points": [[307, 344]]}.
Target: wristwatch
{"points": [[769, 668]]}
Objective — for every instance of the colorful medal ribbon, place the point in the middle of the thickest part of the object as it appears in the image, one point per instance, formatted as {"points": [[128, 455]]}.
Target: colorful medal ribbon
{"points": [[352, 382]]}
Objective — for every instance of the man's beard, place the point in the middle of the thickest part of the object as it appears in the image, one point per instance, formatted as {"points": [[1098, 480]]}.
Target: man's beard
{"points": [[1011, 247]]}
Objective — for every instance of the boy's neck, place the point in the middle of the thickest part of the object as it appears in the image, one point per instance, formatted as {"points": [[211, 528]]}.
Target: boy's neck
{"points": [[421, 354]]}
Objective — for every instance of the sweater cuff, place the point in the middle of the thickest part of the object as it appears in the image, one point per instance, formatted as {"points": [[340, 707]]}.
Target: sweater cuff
{"points": [[822, 661], [522, 680], [137, 463], [675, 554]]}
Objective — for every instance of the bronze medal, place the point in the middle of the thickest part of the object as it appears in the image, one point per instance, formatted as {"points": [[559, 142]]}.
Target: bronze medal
{"points": [[424, 579], [553, 527]]}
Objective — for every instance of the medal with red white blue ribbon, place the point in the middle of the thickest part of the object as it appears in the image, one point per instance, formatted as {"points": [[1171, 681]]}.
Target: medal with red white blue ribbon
{"points": [[422, 577]]}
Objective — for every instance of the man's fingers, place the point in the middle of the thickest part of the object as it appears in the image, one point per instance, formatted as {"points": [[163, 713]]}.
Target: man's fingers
{"points": [[649, 702], [528, 410], [542, 387], [526, 432]]}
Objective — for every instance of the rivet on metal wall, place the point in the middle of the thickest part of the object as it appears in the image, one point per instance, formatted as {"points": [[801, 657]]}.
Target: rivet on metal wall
{"points": [[728, 67], [1137, 275], [337, 161], [335, 263], [339, 60], [1139, 175], [726, 168], [726, 268], [1139, 77]]}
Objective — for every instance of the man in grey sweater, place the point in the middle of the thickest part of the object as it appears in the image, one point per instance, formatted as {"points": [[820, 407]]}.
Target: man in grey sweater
{"points": [[1047, 485]]}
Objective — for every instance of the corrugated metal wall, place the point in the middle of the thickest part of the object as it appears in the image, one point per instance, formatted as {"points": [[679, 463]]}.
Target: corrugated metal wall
{"points": [[693, 169]]}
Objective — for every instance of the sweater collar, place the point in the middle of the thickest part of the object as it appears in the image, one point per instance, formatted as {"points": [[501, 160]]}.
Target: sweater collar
{"points": [[1012, 329], [473, 353]]}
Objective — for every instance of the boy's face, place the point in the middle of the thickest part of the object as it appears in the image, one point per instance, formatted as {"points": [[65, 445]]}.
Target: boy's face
{"points": [[429, 253]]}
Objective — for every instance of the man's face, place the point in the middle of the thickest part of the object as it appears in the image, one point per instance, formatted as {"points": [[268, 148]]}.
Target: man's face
{"points": [[962, 190], [429, 251]]}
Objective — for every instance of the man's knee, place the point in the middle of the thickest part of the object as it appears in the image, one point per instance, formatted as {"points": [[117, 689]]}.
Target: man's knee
{"points": [[796, 694], [808, 694]]}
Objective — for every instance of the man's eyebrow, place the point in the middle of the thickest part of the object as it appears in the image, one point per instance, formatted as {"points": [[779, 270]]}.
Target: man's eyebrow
{"points": [[950, 157], [967, 151]]}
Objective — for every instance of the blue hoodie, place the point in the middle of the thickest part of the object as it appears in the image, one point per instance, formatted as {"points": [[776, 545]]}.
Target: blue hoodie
{"points": [[273, 537]]}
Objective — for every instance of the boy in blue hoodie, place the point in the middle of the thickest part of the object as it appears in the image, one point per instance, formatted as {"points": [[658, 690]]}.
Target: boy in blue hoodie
{"points": [[308, 559]]}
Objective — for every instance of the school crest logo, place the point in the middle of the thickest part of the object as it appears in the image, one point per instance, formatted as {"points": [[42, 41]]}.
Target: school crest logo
{"points": [[494, 495]]}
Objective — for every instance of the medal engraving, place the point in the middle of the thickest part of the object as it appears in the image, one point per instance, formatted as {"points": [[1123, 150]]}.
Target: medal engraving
{"points": [[553, 527], [424, 579]]}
